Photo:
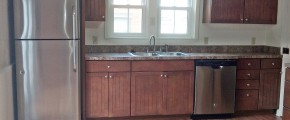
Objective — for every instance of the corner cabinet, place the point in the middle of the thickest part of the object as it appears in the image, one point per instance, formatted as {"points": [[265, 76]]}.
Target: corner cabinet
{"points": [[95, 10], [240, 11]]}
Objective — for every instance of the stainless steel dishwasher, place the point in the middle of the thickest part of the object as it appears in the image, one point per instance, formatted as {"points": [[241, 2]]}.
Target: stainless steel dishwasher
{"points": [[215, 82]]}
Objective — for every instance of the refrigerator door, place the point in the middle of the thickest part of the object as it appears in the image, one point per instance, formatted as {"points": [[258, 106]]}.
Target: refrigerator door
{"points": [[46, 19], [48, 80]]}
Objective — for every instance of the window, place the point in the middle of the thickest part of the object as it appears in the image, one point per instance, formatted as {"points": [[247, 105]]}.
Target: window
{"points": [[174, 17], [127, 18], [138, 18]]}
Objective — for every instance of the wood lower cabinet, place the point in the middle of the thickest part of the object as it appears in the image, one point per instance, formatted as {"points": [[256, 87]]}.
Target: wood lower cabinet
{"points": [[247, 100], [162, 93], [269, 89], [286, 110], [108, 94], [146, 93], [178, 92]]}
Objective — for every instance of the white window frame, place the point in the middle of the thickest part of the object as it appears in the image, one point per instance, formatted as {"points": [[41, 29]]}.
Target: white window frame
{"points": [[110, 21], [192, 21]]}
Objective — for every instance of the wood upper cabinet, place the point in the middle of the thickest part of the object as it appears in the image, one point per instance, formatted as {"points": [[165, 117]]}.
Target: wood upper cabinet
{"points": [[146, 93], [95, 10], [261, 11], [240, 11], [108, 94]]}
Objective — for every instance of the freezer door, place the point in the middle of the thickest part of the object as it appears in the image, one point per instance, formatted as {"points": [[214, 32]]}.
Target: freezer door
{"points": [[46, 19], [203, 90], [47, 83]]}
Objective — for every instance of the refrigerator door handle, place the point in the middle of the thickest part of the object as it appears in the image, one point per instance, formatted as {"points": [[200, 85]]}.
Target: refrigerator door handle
{"points": [[74, 40]]}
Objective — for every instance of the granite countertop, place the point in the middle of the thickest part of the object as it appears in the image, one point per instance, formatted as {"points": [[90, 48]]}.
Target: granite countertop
{"points": [[126, 56]]}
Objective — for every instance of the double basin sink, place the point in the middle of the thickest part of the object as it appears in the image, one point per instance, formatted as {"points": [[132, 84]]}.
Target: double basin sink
{"points": [[156, 54]]}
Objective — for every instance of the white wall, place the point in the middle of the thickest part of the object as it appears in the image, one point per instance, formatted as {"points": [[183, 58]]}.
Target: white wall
{"points": [[6, 108], [218, 34]]}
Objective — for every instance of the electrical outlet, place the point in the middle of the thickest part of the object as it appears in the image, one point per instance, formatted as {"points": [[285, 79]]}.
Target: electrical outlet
{"points": [[253, 42], [95, 39], [206, 40], [285, 50]]}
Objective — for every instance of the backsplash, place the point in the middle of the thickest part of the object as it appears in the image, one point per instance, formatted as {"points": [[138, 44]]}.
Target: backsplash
{"points": [[186, 49]]}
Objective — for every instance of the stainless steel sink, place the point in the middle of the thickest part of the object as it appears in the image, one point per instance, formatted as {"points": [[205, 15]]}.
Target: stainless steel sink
{"points": [[156, 54]]}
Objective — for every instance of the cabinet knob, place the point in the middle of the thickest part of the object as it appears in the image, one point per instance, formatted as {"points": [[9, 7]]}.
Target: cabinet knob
{"points": [[248, 95], [246, 19], [273, 64], [110, 77], [108, 66], [242, 19], [106, 76], [103, 16], [249, 64], [161, 75], [165, 76], [249, 74], [248, 85]]}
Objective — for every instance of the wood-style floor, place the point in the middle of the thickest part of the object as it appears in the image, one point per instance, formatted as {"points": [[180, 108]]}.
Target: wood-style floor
{"points": [[250, 117]]}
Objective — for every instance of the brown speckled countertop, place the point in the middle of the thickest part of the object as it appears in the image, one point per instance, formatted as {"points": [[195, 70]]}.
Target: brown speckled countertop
{"points": [[126, 56]]}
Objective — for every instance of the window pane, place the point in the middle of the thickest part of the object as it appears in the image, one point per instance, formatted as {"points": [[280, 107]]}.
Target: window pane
{"points": [[128, 2], [120, 20], [172, 3], [167, 21], [135, 20], [166, 3], [180, 21], [181, 3]]}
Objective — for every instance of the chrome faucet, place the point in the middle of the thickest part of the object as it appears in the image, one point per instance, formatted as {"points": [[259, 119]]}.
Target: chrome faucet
{"points": [[150, 42]]}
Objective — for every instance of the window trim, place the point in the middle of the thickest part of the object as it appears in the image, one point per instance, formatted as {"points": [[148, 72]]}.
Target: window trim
{"points": [[109, 25]]}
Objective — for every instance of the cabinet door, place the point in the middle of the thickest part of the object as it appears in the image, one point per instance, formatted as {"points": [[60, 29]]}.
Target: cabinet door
{"points": [[178, 92], [119, 94], [97, 95], [261, 11], [227, 11], [269, 89], [146, 93], [95, 10]]}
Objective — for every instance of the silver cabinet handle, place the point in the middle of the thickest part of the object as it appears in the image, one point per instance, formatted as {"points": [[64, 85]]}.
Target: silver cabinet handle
{"points": [[161, 75], [165, 76], [248, 95], [249, 74], [242, 19], [246, 19], [103, 16], [249, 64], [248, 85], [108, 66], [74, 40], [110, 77], [273, 64], [106, 76]]}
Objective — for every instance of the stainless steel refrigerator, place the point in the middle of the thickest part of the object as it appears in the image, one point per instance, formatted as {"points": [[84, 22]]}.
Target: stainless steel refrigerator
{"points": [[47, 59]]}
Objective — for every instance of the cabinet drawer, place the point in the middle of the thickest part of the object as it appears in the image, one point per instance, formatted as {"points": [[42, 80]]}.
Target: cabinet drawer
{"points": [[287, 94], [247, 100], [248, 64], [248, 74], [271, 63], [107, 66], [286, 114], [287, 74], [247, 84], [162, 65]]}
